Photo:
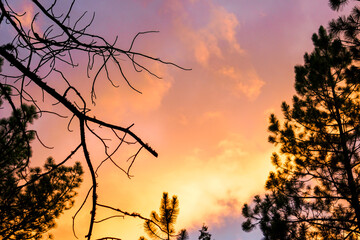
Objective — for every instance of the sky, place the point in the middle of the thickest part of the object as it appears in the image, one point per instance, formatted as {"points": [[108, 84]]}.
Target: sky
{"points": [[209, 125]]}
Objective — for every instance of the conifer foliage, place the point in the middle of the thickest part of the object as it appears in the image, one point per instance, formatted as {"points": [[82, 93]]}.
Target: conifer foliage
{"points": [[30, 198], [204, 234], [347, 27], [42, 44], [314, 192], [162, 225]]}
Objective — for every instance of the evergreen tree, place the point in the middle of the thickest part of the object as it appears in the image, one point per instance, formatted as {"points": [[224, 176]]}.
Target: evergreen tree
{"points": [[162, 225], [337, 4], [40, 43], [347, 27], [204, 235], [314, 192], [30, 200], [183, 235]]}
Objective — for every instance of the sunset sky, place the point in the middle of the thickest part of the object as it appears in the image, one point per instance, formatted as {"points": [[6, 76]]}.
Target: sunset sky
{"points": [[209, 125]]}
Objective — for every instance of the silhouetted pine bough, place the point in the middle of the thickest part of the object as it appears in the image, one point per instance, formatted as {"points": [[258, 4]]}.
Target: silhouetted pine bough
{"points": [[204, 234], [314, 192], [162, 225], [30, 199], [347, 27], [36, 54]]}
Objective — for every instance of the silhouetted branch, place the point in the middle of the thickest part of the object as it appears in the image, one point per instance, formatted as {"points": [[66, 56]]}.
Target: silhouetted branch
{"points": [[52, 169], [109, 238], [36, 54], [134, 214], [83, 203], [111, 217]]}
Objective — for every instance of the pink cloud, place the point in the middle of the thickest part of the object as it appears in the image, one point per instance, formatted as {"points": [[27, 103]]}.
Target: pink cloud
{"points": [[210, 37], [245, 80], [205, 38]]}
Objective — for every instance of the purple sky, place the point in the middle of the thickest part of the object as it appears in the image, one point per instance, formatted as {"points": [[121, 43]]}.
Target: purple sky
{"points": [[209, 125]]}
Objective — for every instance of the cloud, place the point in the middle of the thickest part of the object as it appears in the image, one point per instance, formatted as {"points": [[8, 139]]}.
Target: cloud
{"points": [[245, 81], [229, 71], [211, 116], [209, 32], [27, 18], [225, 24], [252, 88], [202, 51], [211, 187], [153, 90], [124, 99], [207, 39]]}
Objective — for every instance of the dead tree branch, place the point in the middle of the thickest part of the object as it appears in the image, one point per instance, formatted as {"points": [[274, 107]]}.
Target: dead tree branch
{"points": [[36, 54]]}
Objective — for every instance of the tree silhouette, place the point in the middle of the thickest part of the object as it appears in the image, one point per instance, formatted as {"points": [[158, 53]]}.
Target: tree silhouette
{"points": [[162, 225], [37, 56], [337, 4], [30, 200], [347, 27], [204, 234], [314, 193], [183, 235]]}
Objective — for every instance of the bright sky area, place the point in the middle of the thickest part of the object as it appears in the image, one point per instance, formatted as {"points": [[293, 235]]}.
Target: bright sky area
{"points": [[209, 125]]}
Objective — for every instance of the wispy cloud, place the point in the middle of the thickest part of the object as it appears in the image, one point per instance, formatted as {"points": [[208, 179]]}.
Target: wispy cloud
{"points": [[245, 81], [207, 39], [210, 35], [217, 185]]}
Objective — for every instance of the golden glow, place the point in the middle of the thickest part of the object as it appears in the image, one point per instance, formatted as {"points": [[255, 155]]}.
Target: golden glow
{"points": [[209, 125]]}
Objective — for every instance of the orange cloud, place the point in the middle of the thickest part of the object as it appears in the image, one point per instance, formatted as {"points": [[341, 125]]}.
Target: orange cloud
{"points": [[205, 40], [225, 24], [124, 99], [215, 186], [153, 90], [252, 88], [245, 81], [214, 45], [220, 187], [27, 18], [211, 116]]}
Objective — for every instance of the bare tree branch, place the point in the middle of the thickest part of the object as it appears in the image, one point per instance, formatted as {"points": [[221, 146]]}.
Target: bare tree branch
{"points": [[36, 55]]}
